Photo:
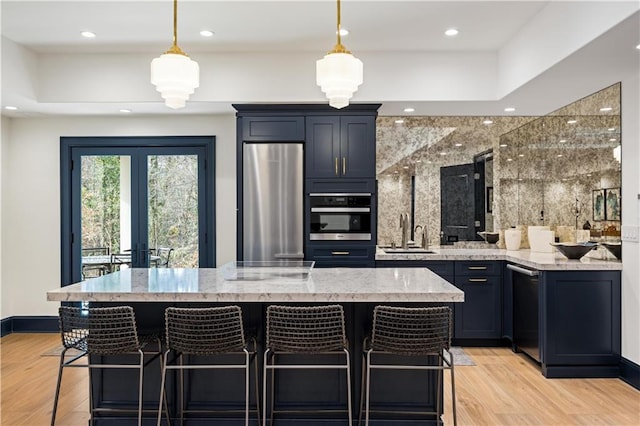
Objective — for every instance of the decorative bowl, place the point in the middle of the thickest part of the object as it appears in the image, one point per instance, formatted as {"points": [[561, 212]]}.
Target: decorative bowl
{"points": [[574, 250], [614, 248], [489, 237]]}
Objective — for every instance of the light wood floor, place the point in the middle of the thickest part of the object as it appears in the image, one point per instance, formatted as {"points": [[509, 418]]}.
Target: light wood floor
{"points": [[503, 388]]}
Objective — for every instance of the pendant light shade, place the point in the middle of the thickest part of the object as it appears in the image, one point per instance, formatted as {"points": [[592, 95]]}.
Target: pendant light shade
{"points": [[174, 74], [339, 73]]}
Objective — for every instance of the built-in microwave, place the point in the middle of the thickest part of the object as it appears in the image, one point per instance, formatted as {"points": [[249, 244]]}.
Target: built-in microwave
{"points": [[340, 216]]}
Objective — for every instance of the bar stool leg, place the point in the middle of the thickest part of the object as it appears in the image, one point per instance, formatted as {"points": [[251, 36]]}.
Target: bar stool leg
{"points": [[363, 372], [453, 394], [141, 380], [57, 394], [264, 387], [162, 395], [346, 354], [368, 391]]}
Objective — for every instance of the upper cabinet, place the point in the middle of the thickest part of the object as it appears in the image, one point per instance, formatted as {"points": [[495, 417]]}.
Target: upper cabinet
{"points": [[340, 147]]}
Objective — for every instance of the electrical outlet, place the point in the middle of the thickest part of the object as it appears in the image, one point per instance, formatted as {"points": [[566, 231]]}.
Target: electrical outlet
{"points": [[630, 233]]}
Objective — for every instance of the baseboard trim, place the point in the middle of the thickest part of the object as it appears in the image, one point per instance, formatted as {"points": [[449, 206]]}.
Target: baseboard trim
{"points": [[630, 372], [29, 324]]}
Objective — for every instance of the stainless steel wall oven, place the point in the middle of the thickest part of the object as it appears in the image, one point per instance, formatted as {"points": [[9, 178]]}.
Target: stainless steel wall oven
{"points": [[340, 216]]}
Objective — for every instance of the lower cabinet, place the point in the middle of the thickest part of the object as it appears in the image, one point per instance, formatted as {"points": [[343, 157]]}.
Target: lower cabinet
{"points": [[580, 323], [480, 316], [341, 255]]}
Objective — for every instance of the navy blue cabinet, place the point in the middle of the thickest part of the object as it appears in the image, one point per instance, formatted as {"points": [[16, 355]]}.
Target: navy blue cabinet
{"points": [[340, 147], [480, 316], [272, 129], [341, 254], [580, 323]]}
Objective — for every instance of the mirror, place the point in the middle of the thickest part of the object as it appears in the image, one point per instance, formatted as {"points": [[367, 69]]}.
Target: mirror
{"points": [[514, 171]]}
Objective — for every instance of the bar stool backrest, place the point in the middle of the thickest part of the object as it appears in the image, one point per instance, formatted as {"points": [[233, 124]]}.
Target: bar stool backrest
{"points": [[411, 331], [311, 329], [204, 331], [73, 327], [101, 331]]}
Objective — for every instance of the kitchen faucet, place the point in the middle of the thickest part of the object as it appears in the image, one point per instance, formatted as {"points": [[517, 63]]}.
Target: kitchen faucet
{"points": [[404, 223], [424, 241]]}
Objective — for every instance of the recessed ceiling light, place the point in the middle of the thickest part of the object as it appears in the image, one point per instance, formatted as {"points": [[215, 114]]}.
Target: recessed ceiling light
{"points": [[11, 108], [206, 33], [451, 32], [409, 109], [124, 110], [458, 144], [572, 121], [509, 109], [638, 47], [88, 34], [611, 129], [563, 140], [612, 140], [605, 109], [399, 121], [503, 145], [487, 122]]}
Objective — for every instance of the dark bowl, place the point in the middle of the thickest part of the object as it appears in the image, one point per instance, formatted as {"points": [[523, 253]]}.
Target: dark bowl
{"points": [[490, 237], [615, 249], [574, 250]]}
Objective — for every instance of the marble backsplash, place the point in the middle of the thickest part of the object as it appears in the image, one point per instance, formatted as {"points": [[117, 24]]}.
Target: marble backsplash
{"points": [[544, 169]]}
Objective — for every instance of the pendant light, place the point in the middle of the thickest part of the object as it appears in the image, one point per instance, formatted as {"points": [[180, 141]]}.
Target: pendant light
{"points": [[173, 73], [339, 73]]}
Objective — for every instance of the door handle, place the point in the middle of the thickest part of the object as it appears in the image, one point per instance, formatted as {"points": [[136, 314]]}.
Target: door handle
{"points": [[344, 166], [336, 163], [524, 271]]}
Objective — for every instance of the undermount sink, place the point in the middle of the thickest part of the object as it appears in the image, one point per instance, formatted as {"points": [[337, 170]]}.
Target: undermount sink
{"points": [[408, 251]]}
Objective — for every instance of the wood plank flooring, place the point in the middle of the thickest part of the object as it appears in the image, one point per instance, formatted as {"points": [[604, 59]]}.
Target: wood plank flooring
{"points": [[503, 388]]}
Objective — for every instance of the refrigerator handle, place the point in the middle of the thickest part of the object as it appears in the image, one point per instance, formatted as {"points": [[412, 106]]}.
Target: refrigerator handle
{"points": [[289, 255]]}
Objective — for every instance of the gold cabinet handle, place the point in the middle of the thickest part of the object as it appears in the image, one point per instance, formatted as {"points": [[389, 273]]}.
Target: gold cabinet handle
{"points": [[477, 280], [477, 268], [340, 253], [344, 166], [336, 166]]}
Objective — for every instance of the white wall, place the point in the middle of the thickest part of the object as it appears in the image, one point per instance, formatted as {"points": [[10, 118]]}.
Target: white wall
{"points": [[4, 138], [631, 217], [31, 195]]}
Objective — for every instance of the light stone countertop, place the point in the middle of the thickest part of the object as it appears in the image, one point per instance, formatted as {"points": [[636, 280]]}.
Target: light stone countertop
{"points": [[337, 285], [596, 260]]}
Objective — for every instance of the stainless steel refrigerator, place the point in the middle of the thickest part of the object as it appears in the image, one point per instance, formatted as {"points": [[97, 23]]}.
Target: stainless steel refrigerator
{"points": [[273, 201]]}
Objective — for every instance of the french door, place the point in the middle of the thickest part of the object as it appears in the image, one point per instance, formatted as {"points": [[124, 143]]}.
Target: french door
{"points": [[136, 202]]}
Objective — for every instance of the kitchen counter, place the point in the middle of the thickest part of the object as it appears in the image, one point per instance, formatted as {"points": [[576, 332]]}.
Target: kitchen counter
{"points": [[339, 285], [541, 261]]}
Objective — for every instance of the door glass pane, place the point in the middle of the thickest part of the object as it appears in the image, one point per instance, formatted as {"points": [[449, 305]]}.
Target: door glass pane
{"points": [[106, 213], [173, 210]]}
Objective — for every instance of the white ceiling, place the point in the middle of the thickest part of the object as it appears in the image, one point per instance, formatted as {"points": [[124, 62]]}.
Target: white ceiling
{"points": [[124, 27]]}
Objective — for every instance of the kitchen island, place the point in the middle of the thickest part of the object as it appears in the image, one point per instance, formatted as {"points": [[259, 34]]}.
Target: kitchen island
{"points": [[150, 291]]}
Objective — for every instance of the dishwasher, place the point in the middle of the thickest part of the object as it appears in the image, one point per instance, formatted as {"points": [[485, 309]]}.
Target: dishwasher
{"points": [[526, 317]]}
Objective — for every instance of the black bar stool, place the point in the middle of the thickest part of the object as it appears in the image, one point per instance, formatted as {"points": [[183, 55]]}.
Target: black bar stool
{"points": [[103, 332], [314, 330], [421, 333], [207, 332]]}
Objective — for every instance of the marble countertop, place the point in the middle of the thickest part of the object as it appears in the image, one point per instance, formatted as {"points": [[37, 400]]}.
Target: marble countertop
{"points": [[208, 285], [597, 260]]}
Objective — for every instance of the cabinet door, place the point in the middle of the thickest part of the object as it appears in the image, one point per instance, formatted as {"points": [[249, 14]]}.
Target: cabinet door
{"points": [[322, 147], [273, 129], [357, 147], [480, 316]]}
